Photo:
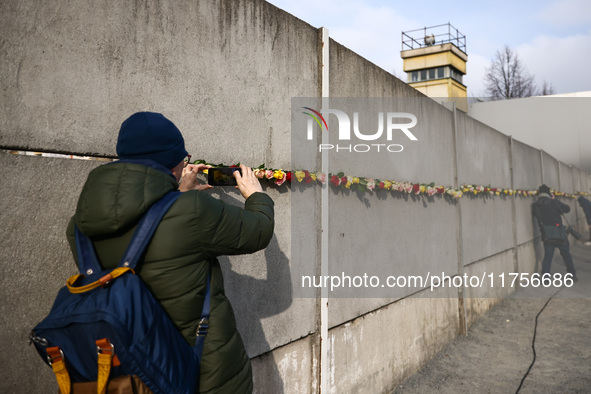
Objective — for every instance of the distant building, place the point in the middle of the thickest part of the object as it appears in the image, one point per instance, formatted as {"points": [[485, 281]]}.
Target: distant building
{"points": [[434, 59]]}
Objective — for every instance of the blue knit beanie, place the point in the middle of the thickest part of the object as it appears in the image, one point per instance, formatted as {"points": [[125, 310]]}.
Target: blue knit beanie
{"points": [[148, 135]]}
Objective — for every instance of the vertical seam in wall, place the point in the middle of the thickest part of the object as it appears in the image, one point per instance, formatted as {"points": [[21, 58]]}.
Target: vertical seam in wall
{"points": [[460, 245], [542, 165], [324, 341], [513, 207]]}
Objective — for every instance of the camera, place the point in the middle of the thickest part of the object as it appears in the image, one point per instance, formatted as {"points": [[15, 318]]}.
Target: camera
{"points": [[570, 230], [222, 176]]}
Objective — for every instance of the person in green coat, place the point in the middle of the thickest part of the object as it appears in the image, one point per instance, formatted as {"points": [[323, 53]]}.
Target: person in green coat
{"points": [[194, 231]]}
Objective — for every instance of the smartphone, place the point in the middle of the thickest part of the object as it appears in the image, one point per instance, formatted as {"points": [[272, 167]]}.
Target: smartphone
{"points": [[222, 176]]}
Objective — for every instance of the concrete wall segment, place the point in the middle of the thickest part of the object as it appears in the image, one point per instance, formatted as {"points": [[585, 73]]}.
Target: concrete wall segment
{"points": [[550, 172], [392, 225], [288, 369], [483, 154], [376, 352], [192, 61], [527, 171], [38, 196], [486, 226], [353, 76], [567, 182]]}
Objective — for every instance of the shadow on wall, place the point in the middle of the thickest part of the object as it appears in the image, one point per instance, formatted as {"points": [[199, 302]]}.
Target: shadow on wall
{"points": [[260, 299]]}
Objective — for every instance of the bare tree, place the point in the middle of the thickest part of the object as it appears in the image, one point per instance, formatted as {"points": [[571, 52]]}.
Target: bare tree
{"points": [[547, 89], [507, 77]]}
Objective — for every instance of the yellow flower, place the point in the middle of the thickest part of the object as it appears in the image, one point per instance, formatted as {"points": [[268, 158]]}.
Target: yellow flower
{"points": [[387, 185], [278, 174], [205, 171], [300, 175], [313, 176], [421, 188], [355, 180]]}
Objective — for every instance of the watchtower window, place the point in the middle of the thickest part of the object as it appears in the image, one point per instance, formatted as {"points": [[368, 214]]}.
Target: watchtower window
{"points": [[429, 74]]}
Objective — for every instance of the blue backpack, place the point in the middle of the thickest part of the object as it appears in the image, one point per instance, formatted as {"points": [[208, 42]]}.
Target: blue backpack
{"points": [[108, 324]]}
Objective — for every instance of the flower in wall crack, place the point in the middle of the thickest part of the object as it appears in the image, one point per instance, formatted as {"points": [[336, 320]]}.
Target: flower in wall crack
{"points": [[300, 175], [321, 177], [440, 189], [408, 187], [348, 180], [259, 173], [387, 185], [416, 188], [335, 180], [269, 174], [278, 174], [371, 184], [431, 191], [280, 181]]}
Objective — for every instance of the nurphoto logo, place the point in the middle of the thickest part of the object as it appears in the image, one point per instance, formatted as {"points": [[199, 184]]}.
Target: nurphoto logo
{"points": [[392, 121]]}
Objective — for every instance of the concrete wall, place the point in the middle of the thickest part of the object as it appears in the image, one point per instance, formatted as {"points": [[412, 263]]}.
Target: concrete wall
{"points": [[225, 72]]}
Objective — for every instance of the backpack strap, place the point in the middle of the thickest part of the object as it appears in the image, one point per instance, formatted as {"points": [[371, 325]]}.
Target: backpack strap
{"points": [[146, 229], [87, 260]]}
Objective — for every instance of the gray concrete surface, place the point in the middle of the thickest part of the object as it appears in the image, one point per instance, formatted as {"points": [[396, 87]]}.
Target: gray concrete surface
{"points": [[226, 72], [495, 355]]}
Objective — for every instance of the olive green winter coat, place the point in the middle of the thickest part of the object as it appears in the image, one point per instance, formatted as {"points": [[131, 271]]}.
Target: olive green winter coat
{"points": [[195, 230]]}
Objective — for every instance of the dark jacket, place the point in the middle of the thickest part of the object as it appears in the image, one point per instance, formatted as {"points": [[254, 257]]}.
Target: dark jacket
{"points": [[550, 210], [586, 205], [195, 230]]}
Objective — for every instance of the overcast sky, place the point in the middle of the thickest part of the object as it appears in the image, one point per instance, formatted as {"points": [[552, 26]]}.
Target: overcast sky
{"points": [[551, 37]]}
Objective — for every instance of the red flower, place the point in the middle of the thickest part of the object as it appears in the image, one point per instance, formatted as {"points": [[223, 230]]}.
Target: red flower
{"points": [[335, 180], [344, 180], [307, 177], [289, 177], [416, 188], [440, 190], [381, 185]]}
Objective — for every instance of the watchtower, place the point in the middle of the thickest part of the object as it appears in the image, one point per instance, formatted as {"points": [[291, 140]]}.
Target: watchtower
{"points": [[434, 59]]}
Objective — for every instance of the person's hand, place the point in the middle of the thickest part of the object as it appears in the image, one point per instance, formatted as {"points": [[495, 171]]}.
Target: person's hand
{"points": [[248, 183], [189, 178]]}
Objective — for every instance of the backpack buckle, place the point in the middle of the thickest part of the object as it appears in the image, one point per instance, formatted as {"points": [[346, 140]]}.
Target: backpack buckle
{"points": [[54, 354], [104, 346], [106, 280], [100, 350], [202, 327]]}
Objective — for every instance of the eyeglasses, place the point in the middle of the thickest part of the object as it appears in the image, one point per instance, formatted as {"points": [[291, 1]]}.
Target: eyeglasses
{"points": [[187, 159]]}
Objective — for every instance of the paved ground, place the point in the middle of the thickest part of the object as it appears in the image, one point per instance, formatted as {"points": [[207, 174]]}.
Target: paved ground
{"points": [[497, 352]]}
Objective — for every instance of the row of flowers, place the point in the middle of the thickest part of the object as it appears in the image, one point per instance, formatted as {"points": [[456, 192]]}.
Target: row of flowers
{"points": [[340, 180]]}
